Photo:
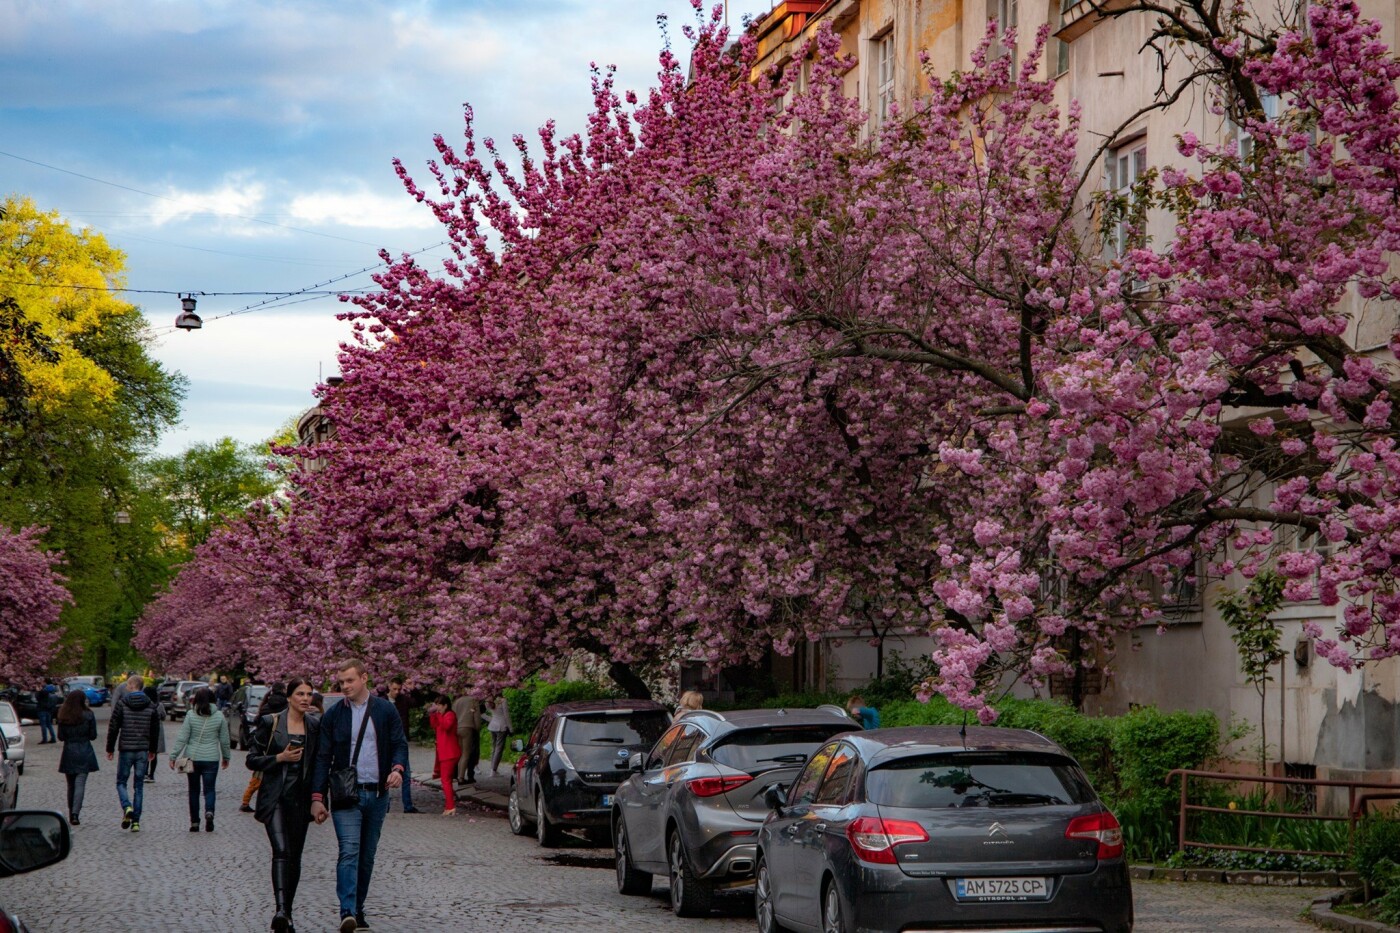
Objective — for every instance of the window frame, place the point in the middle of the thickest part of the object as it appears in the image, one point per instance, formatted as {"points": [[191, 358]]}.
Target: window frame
{"points": [[882, 77], [816, 763]]}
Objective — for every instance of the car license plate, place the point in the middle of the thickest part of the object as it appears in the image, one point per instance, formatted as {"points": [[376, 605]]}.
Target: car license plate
{"points": [[1003, 889], [607, 800]]}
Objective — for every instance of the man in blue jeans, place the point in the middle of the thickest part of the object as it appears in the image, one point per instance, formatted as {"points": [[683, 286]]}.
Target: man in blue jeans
{"points": [[135, 727], [379, 767]]}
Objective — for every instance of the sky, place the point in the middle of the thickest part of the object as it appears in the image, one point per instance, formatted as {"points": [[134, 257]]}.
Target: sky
{"points": [[245, 146]]}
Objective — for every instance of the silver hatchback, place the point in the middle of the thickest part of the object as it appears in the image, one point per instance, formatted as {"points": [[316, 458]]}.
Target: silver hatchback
{"points": [[694, 804]]}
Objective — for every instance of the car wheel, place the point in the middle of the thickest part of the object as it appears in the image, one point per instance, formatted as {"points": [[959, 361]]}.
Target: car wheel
{"points": [[690, 897], [763, 901], [629, 879], [20, 769], [546, 833], [518, 823], [831, 910]]}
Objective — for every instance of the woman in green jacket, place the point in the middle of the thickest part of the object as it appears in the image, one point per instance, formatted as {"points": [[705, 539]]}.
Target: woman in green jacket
{"points": [[203, 739]]}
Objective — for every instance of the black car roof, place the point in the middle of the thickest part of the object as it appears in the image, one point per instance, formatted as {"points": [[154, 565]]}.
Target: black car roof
{"points": [[879, 745], [598, 706]]}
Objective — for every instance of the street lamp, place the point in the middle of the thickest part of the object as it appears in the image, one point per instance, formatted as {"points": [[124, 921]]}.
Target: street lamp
{"points": [[187, 319]]}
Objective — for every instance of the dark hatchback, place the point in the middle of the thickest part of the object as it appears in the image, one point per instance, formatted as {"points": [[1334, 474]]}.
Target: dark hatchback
{"points": [[928, 828], [574, 760]]}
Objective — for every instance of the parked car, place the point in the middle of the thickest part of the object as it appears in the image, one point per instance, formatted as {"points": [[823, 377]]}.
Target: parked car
{"points": [[242, 716], [97, 693], [935, 827], [165, 690], [14, 735], [9, 778], [29, 840], [329, 700], [693, 805], [182, 699], [576, 756], [25, 702]]}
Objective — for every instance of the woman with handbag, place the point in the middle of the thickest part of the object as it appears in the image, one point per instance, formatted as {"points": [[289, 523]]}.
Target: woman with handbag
{"points": [[283, 751], [77, 728], [201, 748]]}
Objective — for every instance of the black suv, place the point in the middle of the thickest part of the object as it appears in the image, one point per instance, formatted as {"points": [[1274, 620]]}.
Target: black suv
{"points": [[576, 756]]}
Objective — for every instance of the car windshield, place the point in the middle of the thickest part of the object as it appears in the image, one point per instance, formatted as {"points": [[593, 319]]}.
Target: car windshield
{"points": [[615, 729], [757, 750], [978, 779], [7, 713]]}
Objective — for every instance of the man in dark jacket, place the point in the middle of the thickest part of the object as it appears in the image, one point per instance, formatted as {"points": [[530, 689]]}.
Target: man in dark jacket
{"points": [[135, 729], [379, 768], [47, 703], [404, 700]]}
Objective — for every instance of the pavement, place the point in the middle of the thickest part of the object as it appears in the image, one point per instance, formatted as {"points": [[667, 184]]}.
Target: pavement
{"points": [[458, 874]]}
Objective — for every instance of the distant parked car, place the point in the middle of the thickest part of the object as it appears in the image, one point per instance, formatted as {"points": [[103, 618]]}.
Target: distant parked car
{"points": [[14, 735], [694, 803], [29, 840], [97, 693], [9, 778], [576, 756], [243, 716], [25, 702], [930, 827], [329, 700], [183, 697], [165, 690]]}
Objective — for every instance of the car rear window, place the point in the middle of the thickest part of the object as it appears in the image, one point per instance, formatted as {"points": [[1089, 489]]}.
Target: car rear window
{"points": [[756, 750], [978, 779], [7, 713], [621, 728]]}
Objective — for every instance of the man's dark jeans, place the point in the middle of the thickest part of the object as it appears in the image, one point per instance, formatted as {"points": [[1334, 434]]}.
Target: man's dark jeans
{"points": [[128, 764], [46, 730]]}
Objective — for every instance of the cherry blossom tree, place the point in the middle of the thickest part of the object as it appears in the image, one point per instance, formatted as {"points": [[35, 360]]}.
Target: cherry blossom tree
{"points": [[32, 596], [719, 376]]}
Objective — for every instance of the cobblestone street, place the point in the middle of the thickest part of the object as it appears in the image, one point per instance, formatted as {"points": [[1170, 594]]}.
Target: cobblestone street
{"points": [[467, 873]]}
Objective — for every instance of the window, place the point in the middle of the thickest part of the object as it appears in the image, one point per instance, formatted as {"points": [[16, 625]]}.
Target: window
{"points": [[978, 779], [1006, 12], [832, 793], [1123, 168], [1270, 103], [659, 751], [684, 749], [884, 79], [805, 787], [759, 750]]}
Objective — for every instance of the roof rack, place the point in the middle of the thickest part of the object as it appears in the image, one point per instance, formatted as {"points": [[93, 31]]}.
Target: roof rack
{"points": [[700, 712], [834, 710]]}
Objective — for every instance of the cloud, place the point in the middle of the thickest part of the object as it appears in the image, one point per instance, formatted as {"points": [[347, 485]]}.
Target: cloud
{"points": [[362, 208], [235, 198]]}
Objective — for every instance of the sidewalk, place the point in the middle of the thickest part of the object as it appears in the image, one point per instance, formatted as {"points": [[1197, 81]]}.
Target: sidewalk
{"points": [[490, 792]]}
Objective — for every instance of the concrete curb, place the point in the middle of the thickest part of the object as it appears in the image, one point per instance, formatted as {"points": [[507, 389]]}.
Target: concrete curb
{"points": [[487, 798], [1323, 915], [1278, 879]]}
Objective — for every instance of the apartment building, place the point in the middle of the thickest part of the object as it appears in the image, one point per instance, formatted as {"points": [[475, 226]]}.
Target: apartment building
{"points": [[1317, 720]]}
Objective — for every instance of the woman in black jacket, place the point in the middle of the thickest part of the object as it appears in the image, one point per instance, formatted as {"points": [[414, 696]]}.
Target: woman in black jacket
{"points": [[77, 728], [283, 750]]}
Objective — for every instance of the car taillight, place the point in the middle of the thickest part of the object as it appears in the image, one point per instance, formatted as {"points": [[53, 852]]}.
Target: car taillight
{"points": [[874, 839], [5, 925], [1101, 827], [710, 786]]}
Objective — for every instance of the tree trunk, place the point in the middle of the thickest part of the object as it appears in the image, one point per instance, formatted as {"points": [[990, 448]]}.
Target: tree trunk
{"points": [[626, 678]]}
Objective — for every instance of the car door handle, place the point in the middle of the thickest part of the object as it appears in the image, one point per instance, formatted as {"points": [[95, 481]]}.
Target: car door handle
{"points": [[792, 830], [820, 827]]}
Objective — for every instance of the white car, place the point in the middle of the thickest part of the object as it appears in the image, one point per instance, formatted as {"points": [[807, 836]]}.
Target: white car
{"points": [[14, 735]]}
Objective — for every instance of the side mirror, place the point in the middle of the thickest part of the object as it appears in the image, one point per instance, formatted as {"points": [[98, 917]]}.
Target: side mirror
{"points": [[634, 764], [775, 796], [518, 745], [32, 839]]}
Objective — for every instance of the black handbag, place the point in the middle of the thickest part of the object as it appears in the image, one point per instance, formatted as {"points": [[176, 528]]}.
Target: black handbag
{"points": [[344, 789]]}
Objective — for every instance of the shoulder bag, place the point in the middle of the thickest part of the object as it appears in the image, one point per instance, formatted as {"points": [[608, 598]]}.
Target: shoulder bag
{"points": [[185, 764], [344, 789]]}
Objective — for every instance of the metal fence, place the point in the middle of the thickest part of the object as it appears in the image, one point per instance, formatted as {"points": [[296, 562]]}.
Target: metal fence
{"points": [[1357, 804]]}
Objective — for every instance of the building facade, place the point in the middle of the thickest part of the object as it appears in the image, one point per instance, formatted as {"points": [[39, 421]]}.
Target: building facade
{"points": [[1315, 720]]}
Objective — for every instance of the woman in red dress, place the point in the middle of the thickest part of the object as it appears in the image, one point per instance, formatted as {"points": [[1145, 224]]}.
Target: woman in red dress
{"points": [[444, 723]]}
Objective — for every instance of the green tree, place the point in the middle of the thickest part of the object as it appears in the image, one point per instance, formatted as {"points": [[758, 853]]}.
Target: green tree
{"points": [[84, 400], [1249, 614], [206, 484]]}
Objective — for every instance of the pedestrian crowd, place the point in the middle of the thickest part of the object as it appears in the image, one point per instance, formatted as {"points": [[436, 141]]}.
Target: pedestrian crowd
{"points": [[308, 766]]}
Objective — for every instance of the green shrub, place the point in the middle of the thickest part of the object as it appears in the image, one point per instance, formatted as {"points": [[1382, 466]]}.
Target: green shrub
{"points": [[1377, 840], [529, 700]]}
